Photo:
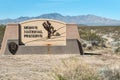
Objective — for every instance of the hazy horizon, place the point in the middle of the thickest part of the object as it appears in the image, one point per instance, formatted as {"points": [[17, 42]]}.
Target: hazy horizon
{"points": [[58, 13]]}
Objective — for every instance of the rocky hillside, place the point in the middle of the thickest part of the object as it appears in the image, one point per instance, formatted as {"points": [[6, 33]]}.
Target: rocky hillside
{"points": [[80, 19]]}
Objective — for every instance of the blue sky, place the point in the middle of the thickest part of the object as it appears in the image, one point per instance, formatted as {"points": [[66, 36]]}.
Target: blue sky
{"points": [[16, 8]]}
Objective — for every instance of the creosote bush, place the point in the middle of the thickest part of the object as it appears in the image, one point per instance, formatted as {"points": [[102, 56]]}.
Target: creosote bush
{"points": [[98, 35], [90, 36]]}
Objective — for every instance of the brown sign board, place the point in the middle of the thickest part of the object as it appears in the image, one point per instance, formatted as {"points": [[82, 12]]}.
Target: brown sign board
{"points": [[43, 32], [41, 36]]}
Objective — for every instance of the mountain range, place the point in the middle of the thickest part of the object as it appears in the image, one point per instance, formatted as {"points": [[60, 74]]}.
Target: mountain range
{"points": [[90, 20]]}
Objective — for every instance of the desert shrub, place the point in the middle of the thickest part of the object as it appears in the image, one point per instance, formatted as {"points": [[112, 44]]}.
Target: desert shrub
{"points": [[84, 45], [85, 73], [2, 29], [103, 45], [89, 47], [111, 74], [60, 77], [115, 43], [102, 29], [91, 36], [79, 73], [116, 50], [94, 43], [95, 33]]}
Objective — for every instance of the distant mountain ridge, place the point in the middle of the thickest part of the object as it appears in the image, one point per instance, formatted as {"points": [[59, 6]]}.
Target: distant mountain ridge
{"points": [[91, 20]]}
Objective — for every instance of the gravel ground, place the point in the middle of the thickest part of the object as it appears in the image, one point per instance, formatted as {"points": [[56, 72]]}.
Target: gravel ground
{"points": [[44, 67]]}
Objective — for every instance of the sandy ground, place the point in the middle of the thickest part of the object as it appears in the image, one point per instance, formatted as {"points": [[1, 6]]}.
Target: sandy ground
{"points": [[43, 67]]}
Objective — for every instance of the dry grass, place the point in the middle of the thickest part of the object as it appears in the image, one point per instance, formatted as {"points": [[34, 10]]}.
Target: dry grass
{"points": [[56, 67], [111, 73], [75, 70]]}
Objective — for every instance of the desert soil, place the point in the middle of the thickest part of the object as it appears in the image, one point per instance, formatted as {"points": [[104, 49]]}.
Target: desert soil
{"points": [[44, 67]]}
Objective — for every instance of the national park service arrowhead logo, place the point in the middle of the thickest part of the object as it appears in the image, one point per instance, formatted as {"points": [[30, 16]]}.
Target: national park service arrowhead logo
{"points": [[13, 47]]}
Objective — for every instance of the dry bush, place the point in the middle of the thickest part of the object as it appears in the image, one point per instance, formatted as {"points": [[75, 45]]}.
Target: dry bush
{"points": [[77, 71], [2, 29], [116, 50], [99, 31], [110, 73], [81, 73]]}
